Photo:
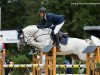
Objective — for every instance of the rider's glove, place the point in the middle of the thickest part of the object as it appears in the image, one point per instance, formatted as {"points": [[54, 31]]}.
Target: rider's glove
{"points": [[39, 26], [52, 27]]}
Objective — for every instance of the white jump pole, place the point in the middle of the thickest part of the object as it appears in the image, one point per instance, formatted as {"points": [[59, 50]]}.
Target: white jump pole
{"points": [[41, 66]]}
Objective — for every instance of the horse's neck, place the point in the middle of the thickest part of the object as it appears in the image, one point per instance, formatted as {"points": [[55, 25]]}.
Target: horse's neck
{"points": [[45, 31], [33, 31], [30, 29]]}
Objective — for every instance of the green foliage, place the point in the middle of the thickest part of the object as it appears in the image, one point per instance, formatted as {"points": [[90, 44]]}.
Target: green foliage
{"points": [[13, 14], [98, 66], [20, 59], [21, 71], [60, 59], [76, 16]]}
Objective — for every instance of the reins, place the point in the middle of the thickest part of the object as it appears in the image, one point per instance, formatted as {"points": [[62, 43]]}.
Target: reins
{"points": [[42, 34], [28, 39]]}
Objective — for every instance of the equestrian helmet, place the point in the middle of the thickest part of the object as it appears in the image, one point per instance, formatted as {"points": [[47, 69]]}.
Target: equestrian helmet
{"points": [[42, 10]]}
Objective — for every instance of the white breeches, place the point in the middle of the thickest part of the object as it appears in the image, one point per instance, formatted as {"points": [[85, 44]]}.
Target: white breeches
{"points": [[58, 27]]}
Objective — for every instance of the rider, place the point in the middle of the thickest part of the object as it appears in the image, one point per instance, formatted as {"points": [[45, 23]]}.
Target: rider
{"points": [[53, 21]]}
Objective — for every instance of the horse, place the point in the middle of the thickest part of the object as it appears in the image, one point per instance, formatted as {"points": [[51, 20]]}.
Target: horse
{"points": [[41, 37]]}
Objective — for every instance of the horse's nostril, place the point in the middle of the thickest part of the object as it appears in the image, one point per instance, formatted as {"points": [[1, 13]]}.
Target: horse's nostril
{"points": [[21, 38]]}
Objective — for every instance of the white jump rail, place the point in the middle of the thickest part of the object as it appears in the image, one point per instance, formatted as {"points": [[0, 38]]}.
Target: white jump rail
{"points": [[42, 65]]}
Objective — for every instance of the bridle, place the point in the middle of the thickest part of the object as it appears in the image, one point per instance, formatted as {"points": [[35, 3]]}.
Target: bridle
{"points": [[28, 39]]}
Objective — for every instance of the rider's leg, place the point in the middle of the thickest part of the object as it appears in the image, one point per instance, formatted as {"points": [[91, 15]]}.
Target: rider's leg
{"points": [[58, 27], [56, 39], [56, 30]]}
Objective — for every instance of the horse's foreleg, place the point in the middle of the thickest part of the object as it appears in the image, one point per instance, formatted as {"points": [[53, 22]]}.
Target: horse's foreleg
{"points": [[73, 61]]}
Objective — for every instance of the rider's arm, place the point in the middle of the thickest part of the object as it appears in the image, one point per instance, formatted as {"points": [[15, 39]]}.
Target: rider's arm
{"points": [[48, 22], [41, 24]]}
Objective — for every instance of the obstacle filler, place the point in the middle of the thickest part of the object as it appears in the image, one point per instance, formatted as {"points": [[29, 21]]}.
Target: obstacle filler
{"points": [[91, 61]]}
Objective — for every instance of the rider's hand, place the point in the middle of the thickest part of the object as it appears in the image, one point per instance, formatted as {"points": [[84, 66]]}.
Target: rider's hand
{"points": [[52, 27], [42, 27], [39, 26]]}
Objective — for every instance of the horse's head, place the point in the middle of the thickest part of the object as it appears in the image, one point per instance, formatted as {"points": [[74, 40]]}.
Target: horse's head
{"points": [[31, 34], [26, 35], [21, 40]]}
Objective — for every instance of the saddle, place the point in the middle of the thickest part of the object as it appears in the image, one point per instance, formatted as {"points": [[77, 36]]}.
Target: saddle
{"points": [[63, 38]]}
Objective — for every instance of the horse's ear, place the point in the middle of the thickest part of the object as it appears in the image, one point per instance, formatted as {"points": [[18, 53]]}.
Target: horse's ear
{"points": [[19, 30]]}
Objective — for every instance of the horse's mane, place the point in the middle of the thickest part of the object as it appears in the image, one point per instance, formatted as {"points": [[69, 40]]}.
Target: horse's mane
{"points": [[30, 27]]}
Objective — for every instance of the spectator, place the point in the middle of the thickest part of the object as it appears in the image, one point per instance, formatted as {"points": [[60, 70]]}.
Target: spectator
{"points": [[8, 70], [68, 70], [1, 43]]}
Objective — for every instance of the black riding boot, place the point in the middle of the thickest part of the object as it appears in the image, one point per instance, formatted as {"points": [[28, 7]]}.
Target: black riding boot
{"points": [[57, 41]]}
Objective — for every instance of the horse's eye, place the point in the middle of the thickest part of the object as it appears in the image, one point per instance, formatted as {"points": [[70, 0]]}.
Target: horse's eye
{"points": [[21, 36]]}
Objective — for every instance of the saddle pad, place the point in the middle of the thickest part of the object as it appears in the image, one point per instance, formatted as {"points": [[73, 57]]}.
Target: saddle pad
{"points": [[63, 41]]}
